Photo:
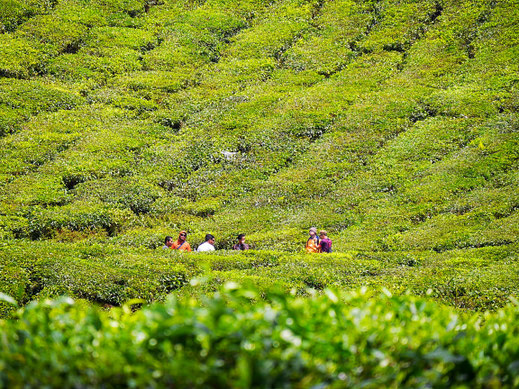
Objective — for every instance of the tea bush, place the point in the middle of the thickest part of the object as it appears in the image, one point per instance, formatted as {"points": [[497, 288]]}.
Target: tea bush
{"points": [[95, 66], [39, 269], [101, 275], [330, 45], [44, 222], [64, 35], [11, 120], [13, 13], [33, 96], [20, 57], [111, 37], [126, 280], [334, 340]]}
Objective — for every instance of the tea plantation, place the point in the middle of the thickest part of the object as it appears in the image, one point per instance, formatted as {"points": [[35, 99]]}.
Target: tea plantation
{"points": [[392, 124]]}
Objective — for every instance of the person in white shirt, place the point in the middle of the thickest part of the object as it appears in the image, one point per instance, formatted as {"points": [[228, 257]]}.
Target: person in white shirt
{"points": [[208, 245]]}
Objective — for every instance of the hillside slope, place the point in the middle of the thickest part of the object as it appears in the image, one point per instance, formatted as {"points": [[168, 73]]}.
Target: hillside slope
{"points": [[392, 124]]}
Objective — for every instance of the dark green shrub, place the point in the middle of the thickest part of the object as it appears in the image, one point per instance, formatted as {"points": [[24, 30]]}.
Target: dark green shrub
{"points": [[340, 340]]}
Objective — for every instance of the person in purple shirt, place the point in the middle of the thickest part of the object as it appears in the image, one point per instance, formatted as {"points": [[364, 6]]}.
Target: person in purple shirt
{"points": [[241, 245], [325, 242]]}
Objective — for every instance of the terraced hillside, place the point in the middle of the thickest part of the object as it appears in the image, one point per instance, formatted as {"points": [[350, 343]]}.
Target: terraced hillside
{"points": [[391, 124]]}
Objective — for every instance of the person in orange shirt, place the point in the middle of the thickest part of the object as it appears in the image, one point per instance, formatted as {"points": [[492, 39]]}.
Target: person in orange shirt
{"points": [[181, 244], [312, 244]]}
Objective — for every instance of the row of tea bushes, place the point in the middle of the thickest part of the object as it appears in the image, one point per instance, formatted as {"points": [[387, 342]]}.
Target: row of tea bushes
{"points": [[234, 340], [102, 275], [477, 279]]}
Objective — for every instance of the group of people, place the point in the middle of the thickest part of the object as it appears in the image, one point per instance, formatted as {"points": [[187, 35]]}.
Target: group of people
{"points": [[316, 243], [182, 244]]}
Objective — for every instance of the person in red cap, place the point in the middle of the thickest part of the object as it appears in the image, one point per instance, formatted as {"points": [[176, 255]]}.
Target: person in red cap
{"points": [[181, 244]]}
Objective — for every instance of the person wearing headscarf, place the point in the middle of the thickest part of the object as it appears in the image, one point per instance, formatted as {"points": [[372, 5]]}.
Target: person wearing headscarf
{"points": [[312, 244]]}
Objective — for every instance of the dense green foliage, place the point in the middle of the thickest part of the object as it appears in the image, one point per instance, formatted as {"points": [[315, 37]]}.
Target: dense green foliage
{"points": [[393, 124], [335, 340], [108, 275]]}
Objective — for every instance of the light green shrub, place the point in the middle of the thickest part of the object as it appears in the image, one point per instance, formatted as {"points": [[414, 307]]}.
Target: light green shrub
{"points": [[44, 223], [64, 35], [163, 81], [20, 57], [14, 12], [36, 96], [11, 120], [94, 65], [110, 37]]}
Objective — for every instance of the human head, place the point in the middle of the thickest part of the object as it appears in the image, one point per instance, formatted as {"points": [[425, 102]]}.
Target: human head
{"points": [[182, 236], [209, 238], [241, 238], [323, 233], [168, 241], [313, 231]]}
